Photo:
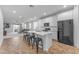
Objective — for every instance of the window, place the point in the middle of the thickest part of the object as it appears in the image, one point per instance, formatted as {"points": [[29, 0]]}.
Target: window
{"points": [[35, 25], [23, 26], [30, 25]]}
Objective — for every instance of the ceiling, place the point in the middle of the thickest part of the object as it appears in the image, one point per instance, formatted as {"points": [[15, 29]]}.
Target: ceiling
{"points": [[24, 13]]}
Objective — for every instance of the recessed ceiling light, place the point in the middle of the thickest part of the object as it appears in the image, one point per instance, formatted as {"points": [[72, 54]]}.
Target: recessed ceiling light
{"points": [[35, 17], [20, 16], [31, 18], [14, 11], [44, 13], [65, 6]]}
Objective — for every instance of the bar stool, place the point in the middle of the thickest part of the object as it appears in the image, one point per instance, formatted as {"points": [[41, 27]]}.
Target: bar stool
{"points": [[33, 40], [29, 38], [24, 36], [38, 41]]}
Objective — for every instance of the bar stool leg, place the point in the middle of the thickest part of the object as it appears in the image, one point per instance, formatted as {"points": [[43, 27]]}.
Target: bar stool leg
{"points": [[37, 46], [32, 44], [42, 45], [29, 42], [23, 37]]}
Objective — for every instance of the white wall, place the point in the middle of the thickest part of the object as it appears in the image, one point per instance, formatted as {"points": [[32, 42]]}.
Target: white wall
{"points": [[27, 25], [76, 26], [16, 27], [35, 25], [23, 25], [1, 27], [10, 29], [66, 15]]}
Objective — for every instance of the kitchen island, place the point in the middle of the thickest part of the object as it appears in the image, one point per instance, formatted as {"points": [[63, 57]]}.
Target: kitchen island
{"points": [[46, 37]]}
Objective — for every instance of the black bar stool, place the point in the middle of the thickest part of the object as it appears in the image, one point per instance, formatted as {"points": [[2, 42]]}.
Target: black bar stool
{"points": [[38, 41], [24, 36], [29, 38], [33, 39]]}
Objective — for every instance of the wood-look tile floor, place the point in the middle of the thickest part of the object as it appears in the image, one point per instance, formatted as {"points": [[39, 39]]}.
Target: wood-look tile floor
{"points": [[60, 48], [17, 46]]}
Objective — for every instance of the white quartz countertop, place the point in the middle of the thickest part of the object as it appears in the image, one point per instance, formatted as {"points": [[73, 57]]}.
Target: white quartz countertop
{"points": [[41, 32]]}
